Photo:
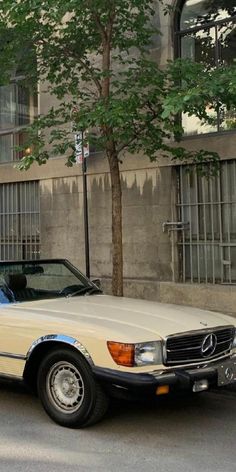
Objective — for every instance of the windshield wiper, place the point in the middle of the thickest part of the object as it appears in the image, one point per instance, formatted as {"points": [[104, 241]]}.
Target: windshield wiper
{"points": [[85, 290]]}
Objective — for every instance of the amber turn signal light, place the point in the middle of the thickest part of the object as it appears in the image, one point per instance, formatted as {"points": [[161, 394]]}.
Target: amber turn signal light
{"points": [[121, 353], [162, 390]]}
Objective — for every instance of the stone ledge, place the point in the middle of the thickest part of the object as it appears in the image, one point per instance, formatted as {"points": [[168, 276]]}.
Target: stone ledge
{"points": [[220, 298], [135, 288]]}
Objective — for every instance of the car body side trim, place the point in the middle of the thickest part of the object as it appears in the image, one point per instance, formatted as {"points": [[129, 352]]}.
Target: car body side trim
{"points": [[10, 355], [60, 338]]}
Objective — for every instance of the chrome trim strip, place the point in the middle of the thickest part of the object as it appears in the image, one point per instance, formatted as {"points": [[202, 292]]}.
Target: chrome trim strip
{"points": [[13, 356], [200, 331], [198, 364], [195, 347], [62, 339], [203, 359]]}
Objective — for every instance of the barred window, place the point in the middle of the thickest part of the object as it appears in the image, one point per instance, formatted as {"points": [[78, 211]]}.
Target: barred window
{"points": [[19, 221], [208, 209]]}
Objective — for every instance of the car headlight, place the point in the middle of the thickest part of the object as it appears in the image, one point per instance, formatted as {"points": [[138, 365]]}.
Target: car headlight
{"points": [[140, 354], [148, 353]]}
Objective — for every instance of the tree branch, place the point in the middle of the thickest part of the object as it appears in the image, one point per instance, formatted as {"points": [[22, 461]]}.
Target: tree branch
{"points": [[137, 131], [97, 20], [83, 64]]}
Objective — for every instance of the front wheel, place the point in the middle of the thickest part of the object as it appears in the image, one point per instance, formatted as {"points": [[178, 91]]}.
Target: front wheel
{"points": [[68, 391]]}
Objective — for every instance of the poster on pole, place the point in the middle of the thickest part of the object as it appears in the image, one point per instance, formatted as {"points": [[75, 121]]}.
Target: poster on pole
{"points": [[81, 149]]}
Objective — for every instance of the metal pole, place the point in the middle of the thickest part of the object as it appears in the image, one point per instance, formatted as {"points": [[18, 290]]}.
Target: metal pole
{"points": [[85, 197]]}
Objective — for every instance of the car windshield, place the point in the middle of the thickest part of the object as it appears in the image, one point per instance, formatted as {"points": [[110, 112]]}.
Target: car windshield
{"points": [[37, 280]]}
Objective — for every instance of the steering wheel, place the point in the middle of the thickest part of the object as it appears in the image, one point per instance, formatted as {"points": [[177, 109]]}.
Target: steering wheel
{"points": [[70, 289]]}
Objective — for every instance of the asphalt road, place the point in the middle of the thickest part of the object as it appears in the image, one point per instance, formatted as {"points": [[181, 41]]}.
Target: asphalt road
{"points": [[196, 433]]}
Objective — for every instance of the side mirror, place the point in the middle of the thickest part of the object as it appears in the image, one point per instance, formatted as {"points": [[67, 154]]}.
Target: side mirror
{"points": [[97, 282]]}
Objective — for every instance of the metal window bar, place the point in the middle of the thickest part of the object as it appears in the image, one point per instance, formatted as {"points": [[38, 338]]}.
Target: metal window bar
{"points": [[204, 229], [212, 232], [190, 227], [203, 26], [183, 233], [208, 244], [20, 221], [228, 231], [197, 225]]}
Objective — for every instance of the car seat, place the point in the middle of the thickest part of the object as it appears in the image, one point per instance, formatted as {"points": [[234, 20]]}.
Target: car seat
{"points": [[17, 284]]}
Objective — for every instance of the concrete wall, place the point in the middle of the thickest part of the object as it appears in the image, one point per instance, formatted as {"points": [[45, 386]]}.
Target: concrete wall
{"points": [[61, 217], [146, 205]]}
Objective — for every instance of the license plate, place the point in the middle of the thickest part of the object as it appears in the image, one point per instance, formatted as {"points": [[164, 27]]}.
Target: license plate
{"points": [[227, 373]]}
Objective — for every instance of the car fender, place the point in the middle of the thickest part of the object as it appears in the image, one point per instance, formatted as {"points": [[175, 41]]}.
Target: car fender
{"points": [[63, 339]]}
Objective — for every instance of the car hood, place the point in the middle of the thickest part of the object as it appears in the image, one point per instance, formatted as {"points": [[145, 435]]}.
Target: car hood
{"points": [[126, 317]]}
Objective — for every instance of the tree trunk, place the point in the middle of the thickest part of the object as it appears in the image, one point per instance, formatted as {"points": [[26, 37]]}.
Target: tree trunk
{"points": [[117, 256], [116, 194]]}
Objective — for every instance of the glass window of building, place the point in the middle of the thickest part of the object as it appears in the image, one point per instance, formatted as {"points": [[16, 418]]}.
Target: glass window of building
{"points": [[206, 33], [18, 107]]}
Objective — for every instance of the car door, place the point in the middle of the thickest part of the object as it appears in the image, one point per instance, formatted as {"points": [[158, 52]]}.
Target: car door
{"points": [[14, 341]]}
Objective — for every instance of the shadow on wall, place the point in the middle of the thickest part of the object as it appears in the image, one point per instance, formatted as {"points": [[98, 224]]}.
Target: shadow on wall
{"points": [[61, 207], [146, 204]]}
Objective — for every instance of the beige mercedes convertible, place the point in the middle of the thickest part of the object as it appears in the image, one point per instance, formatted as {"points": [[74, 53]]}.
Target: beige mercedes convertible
{"points": [[77, 347]]}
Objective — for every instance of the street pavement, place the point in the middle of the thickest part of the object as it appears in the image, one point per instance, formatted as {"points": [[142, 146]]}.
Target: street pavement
{"points": [[187, 434]]}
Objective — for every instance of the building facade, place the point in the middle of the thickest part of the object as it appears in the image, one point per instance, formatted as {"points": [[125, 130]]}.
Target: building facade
{"points": [[179, 229]]}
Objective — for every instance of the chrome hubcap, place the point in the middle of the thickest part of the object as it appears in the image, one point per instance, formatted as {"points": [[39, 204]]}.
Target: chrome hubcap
{"points": [[65, 387]]}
